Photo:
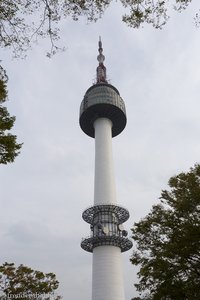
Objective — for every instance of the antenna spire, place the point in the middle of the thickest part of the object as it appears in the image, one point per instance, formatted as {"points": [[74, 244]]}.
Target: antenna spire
{"points": [[101, 69]]}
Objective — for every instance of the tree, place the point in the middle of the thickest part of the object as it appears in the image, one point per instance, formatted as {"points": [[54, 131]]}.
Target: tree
{"points": [[9, 148], [23, 21], [168, 242], [25, 283]]}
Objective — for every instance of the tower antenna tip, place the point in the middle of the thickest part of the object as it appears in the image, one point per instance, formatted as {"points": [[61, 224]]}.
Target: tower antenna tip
{"points": [[101, 69], [100, 43]]}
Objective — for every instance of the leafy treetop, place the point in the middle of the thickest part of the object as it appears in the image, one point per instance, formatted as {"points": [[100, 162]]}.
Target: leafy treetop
{"points": [[24, 283], [9, 148], [23, 21], [168, 242]]}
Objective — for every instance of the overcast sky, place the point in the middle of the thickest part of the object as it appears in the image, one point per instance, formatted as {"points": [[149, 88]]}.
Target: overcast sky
{"points": [[44, 192]]}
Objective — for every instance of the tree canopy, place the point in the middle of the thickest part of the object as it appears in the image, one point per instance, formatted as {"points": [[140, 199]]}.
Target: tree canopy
{"points": [[24, 21], [9, 148], [25, 283], [168, 242]]}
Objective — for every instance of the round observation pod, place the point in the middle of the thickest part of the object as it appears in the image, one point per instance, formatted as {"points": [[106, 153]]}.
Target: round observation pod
{"points": [[88, 244], [102, 100], [121, 213]]}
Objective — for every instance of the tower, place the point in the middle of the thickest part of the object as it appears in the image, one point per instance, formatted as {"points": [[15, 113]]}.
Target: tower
{"points": [[103, 116]]}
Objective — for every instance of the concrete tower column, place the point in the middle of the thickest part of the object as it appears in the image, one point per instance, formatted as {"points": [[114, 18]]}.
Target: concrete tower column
{"points": [[104, 181], [107, 275], [107, 279]]}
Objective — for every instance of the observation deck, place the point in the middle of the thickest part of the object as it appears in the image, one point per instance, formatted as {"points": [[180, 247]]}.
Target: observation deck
{"points": [[102, 100], [106, 227]]}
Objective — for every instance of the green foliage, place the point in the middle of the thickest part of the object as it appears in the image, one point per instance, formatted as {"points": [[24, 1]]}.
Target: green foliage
{"points": [[25, 283], [168, 242], [3, 85], [23, 21], [9, 148]]}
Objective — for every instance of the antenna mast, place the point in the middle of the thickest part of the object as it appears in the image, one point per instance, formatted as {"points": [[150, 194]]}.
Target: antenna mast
{"points": [[101, 69]]}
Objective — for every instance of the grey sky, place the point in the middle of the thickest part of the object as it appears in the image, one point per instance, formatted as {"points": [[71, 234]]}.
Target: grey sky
{"points": [[44, 192]]}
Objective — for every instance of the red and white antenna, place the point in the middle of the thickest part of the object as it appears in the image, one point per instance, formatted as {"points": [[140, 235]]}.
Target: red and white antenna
{"points": [[101, 69]]}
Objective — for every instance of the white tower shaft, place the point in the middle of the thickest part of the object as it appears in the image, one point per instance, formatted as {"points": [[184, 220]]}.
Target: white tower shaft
{"points": [[104, 185], [107, 278]]}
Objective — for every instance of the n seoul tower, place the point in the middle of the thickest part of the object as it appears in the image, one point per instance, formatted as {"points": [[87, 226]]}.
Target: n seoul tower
{"points": [[103, 116]]}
